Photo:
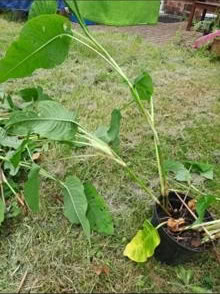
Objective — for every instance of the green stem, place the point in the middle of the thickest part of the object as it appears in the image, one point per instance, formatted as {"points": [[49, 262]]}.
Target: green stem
{"points": [[148, 191], [209, 225], [162, 175], [149, 117], [126, 105], [9, 186]]}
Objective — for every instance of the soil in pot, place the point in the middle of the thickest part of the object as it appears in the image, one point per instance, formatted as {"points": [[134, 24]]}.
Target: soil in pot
{"points": [[178, 246]]}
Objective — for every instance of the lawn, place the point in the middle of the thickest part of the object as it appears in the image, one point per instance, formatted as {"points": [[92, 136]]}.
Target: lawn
{"points": [[52, 255]]}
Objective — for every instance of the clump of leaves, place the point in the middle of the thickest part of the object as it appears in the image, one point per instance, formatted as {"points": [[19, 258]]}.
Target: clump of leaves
{"points": [[24, 131]]}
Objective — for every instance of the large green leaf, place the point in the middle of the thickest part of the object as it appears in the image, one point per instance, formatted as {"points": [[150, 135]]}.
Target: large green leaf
{"points": [[31, 189], [202, 205], [144, 86], [42, 7], [110, 135], [2, 211], [75, 203], [204, 169], [33, 94], [52, 121], [143, 244], [43, 43], [181, 173], [98, 213]]}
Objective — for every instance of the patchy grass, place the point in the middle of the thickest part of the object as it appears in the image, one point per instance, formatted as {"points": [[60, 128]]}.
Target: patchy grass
{"points": [[55, 254]]}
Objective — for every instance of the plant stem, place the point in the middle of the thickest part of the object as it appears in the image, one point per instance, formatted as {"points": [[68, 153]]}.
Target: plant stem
{"points": [[162, 175], [210, 225], [161, 224], [148, 191], [126, 105], [149, 117]]}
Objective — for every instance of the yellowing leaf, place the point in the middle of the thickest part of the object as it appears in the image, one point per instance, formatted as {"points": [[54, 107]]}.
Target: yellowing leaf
{"points": [[142, 246]]}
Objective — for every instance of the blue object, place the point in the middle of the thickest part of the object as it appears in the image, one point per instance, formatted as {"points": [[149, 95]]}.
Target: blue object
{"points": [[15, 4], [24, 5], [73, 18]]}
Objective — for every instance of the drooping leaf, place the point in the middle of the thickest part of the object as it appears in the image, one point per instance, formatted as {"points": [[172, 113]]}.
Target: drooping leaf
{"points": [[144, 86], [202, 205], [33, 94], [52, 121], [42, 7], [208, 174], [75, 203], [98, 213], [2, 211], [43, 43], [15, 157], [143, 244], [31, 189], [8, 165], [181, 173], [204, 169], [9, 141], [110, 135]]}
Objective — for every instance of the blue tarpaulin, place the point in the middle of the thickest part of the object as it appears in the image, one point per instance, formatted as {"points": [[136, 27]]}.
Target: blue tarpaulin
{"points": [[24, 5], [15, 4]]}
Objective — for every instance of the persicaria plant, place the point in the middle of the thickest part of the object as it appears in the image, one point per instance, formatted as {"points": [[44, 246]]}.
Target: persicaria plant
{"points": [[27, 128]]}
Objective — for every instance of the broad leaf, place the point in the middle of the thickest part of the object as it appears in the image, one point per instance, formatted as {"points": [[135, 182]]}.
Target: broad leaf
{"points": [[204, 169], [43, 43], [144, 86], [202, 204], [15, 157], [52, 121], [75, 203], [181, 173], [33, 94], [111, 135], [8, 165], [142, 246], [98, 213], [31, 189], [9, 141], [42, 7], [2, 211]]}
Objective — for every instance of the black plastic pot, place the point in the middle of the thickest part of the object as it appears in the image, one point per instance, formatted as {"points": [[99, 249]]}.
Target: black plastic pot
{"points": [[169, 250]]}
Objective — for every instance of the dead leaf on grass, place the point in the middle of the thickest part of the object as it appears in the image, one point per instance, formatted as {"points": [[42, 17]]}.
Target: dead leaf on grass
{"points": [[21, 203], [174, 224], [36, 156], [99, 269], [192, 204]]}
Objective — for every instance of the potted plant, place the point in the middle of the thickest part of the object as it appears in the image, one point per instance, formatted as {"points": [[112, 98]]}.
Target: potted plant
{"points": [[176, 216]]}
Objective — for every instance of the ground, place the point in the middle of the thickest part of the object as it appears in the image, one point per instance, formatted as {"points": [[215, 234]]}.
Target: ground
{"points": [[53, 256], [162, 33]]}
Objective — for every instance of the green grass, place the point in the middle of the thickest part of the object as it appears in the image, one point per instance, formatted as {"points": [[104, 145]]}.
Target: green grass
{"points": [[54, 253]]}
